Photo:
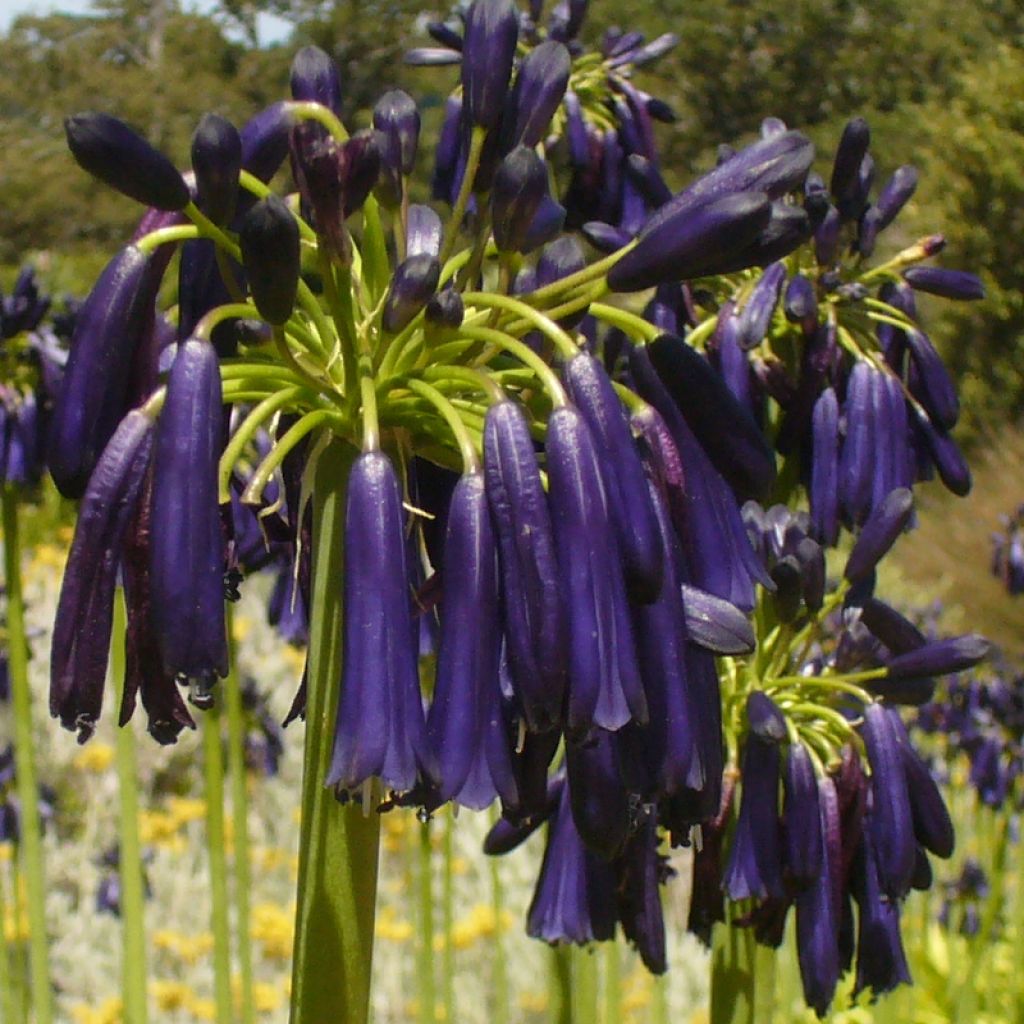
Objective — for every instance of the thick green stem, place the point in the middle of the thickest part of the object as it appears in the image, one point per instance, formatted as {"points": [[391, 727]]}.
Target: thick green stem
{"points": [[584, 977], [561, 985], [240, 821], [338, 845], [133, 891], [213, 766], [733, 974], [425, 952], [24, 765]]}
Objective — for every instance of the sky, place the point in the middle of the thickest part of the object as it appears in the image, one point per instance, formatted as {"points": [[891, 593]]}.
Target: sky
{"points": [[271, 29]]}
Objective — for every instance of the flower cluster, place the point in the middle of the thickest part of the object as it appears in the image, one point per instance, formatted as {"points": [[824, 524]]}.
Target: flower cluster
{"points": [[552, 536]]}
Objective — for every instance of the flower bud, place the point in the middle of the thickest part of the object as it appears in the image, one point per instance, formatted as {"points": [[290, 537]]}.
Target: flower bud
{"points": [[538, 93], [933, 387], [489, 47], [521, 182], [717, 625], [315, 78], [950, 284], [395, 116], [940, 657], [801, 304], [756, 316], [895, 195], [269, 240], [446, 309], [423, 231], [111, 151], [691, 237], [412, 286], [850, 152], [804, 846], [888, 520], [265, 141], [216, 160]]}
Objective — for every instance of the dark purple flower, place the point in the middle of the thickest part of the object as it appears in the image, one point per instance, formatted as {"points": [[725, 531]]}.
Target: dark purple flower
{"points": [[940, 657], [380, 731], [642, 870], [467, 698], [110, 329], [187, 546], [265, 142], [81, 632], [520, 184], [846, 167], [598, 794], [625, 484], [538, 92], [315, 78], [717, 625], [756, 315], [535, 626], [111, 151], [574, 898], [895, 195], [604, 681], [886, 522], [802, 819], [930, 381]]}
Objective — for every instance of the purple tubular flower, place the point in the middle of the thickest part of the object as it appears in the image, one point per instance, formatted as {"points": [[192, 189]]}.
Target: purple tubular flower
{"points": [[932, 386], [719, 558], [216, 161], [574, 898], [639, 899], [315, 78], [520, 184], [109, 330], [725, 428], [505, 834], [881, 962], [731, 360], [424, 231], [412, 287], [622, 473], [559, 259], [756, 316], [693, 235], [716, 625], [670, 749], [895, 195], [597, 793], [446, 36], [802, 819], [535, 626], [890, 824], [380, 730], [940, 657], [538, 93], [111, 151], [826, 238], [775, 166], [858, 455], [950, 284], [888, 520], [754, 868], [187, 540], [446, 153], [788, 228], [467, 693], [269, 240], [933, 827], [647, 178], [265, 141], [661, 457], [488, 49], [818, 909], [604, 680], [899, 634], [81, 632]]}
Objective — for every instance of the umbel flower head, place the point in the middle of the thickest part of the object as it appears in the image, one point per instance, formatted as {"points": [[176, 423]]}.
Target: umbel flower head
{"points": [[551, 532]]}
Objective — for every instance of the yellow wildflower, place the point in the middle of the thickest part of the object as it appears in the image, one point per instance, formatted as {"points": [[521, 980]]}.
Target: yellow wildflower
{"points": [[185, 809], [170, 995], [94, 757], [273, 927], [108, 1012], [267, 998], [389, 927], [202, 1009]]}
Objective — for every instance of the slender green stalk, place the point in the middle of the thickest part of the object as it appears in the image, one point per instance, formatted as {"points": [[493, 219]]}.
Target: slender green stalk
{"points": [[612, 984], [499, 967], [733, 976], [220, 924], [562, 1001], [240, 821], [133, 920], [584, 977], [425, 952], [448, 915], [338, 845], [31, 846]]}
